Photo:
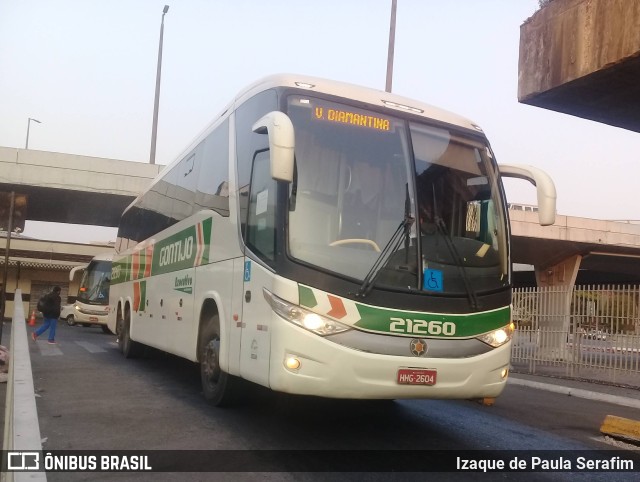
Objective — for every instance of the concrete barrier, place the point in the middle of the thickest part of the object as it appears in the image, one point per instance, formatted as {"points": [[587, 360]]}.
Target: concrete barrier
{"points": [[621, 428], [21, 428]]}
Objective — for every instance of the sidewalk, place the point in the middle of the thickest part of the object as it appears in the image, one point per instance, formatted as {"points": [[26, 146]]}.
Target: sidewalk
{"points": [[618, 394]]}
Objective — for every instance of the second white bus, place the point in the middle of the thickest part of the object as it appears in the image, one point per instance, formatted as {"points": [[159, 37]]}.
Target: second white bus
{"points": [[92, 303]]}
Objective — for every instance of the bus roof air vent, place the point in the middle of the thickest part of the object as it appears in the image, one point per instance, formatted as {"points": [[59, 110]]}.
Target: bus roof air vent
{"points": [[395, 105]]}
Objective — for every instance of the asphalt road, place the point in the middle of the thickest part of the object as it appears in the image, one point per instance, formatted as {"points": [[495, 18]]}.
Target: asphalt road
{"points": [[90, 398]]}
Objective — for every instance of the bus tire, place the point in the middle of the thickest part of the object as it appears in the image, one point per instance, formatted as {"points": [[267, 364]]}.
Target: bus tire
{"points": [[105, 329], [129, 348], [219, 388]]}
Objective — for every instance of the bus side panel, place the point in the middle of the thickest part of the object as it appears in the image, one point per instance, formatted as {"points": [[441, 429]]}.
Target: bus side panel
{"points": [[179, 317], [147, 323]]}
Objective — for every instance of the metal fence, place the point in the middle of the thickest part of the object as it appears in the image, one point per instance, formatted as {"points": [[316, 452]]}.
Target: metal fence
{"points": [[590, 332]]}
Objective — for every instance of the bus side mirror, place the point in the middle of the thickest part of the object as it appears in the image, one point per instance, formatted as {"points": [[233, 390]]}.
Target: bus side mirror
{"points": [[545, 189], [279, 128], [73, 271]]}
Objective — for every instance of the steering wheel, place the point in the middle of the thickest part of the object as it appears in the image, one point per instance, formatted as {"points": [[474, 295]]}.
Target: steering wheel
{"points": [[370, 242]]}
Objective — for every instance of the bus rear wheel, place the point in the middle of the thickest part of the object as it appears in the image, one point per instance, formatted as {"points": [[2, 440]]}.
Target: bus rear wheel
{"points": [[219, 388], [128, 347]]}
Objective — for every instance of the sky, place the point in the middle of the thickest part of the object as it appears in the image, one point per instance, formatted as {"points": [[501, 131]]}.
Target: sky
{"points": [[86, 69]]}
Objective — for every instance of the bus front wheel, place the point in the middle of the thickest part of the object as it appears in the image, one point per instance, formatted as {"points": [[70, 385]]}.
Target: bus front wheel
{"points": [[219, 388]]}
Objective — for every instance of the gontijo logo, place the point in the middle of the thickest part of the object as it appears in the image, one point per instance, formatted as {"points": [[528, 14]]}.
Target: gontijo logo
{"points": [[186, 249], [175, 252], [183, 250]]}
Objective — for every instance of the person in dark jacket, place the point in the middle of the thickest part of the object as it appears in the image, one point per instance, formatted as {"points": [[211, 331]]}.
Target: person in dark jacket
{"points": [[51, 307]]}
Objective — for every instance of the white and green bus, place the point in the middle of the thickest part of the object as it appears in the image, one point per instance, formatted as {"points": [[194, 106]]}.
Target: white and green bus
{"points": [[92, 303], [326, 239]]}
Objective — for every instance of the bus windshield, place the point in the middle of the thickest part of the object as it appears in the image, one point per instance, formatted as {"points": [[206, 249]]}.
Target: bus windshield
{"points": [[360, 175], [94, 286]]}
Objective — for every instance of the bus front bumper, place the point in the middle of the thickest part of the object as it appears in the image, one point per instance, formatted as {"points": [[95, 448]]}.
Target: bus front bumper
{"points": [[327, 369]]}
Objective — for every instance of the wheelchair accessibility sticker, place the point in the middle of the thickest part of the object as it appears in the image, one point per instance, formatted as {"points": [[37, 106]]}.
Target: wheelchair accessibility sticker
{"points": [[432, 280], [247, 270]]}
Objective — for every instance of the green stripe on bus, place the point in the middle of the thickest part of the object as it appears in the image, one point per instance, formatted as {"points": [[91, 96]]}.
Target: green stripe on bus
{"points": [[143, 295], [402, 322], [206, 233], [412, 323], [307, 298], [119, 270]]}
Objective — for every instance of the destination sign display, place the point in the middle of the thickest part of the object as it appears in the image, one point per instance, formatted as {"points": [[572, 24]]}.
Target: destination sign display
{"points": [[343, 115]]}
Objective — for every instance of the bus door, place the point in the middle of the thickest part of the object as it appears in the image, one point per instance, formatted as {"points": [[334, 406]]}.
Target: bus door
{"points": [[260, 235]]}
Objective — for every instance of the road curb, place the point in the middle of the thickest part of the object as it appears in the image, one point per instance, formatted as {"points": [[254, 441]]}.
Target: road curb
{"points": [[577, 392]]}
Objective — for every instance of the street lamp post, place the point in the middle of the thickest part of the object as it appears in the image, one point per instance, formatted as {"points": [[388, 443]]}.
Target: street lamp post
{"points": [[156, 102], [392, 40], [26, 144]]}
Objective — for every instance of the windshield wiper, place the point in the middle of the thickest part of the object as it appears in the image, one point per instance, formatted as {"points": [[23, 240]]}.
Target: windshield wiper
{"points": [[444, 232], [401, 233]]}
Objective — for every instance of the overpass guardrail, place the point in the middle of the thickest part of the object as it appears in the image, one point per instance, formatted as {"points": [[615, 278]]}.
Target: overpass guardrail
{"points": [[21, 428]]}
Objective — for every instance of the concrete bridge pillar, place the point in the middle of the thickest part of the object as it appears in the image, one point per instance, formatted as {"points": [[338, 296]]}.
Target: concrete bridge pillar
{"points": [[554, 305]]}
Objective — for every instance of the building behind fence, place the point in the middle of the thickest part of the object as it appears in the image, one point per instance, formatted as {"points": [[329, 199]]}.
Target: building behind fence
{"points": [[589, 332]]}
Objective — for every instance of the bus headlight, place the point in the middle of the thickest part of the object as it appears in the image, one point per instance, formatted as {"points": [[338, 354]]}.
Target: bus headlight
{"points": [[498, 337], [306, 319]]}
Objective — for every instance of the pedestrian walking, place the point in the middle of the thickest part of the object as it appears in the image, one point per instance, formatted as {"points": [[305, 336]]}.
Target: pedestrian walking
{"points": [[50, 306]]}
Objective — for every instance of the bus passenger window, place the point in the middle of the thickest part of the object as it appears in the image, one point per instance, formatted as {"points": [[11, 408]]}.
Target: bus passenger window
{"points": [[213, 179]]}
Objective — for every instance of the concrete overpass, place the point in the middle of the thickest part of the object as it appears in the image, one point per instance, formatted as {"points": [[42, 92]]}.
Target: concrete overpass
{"points": [[582, 57], [572, 244], [66, 188]]}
